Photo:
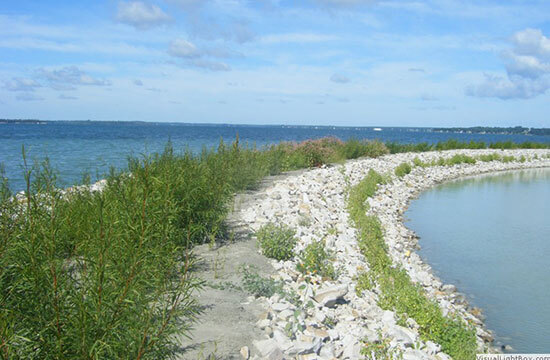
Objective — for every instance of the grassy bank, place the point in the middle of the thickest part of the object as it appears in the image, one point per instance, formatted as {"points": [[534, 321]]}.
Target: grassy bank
{"points": [[108, 275]]}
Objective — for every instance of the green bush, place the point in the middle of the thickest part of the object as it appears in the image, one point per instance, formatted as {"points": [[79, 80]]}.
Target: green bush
{"points": [[315, 260], [276, 241], [353, 149], [403, 169]]}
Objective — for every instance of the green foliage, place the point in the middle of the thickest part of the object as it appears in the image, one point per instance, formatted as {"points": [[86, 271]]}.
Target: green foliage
{"points": [[460, 159], [353, 149], [258, 285], [403, 169], [94, 275], [455, 144], [420, 163], [315, 260], [398, 293], [380, 350], [276, 241]]}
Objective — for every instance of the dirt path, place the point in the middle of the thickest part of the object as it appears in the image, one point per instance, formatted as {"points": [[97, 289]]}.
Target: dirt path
{"points": [[229, 314]]}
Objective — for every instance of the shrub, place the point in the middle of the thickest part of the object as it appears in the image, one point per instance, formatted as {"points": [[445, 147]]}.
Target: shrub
{"points": [[353, 149], [276, 242], [314, 259], [420, 163], [403, 169]]}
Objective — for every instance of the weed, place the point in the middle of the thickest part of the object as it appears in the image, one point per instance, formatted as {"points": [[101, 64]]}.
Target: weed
{"points": [[380, 350], [258, 285], [315, 260], [276, 241]]}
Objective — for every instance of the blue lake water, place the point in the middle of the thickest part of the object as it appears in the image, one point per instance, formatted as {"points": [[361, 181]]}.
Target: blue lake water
{"points": [[490, 236], [92, 147]]}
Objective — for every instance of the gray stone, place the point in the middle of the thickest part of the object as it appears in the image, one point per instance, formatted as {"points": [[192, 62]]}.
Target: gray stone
{"points": [[282, 340], [448, 288], [280, 306], [329, 296], [305, 346], [414, 354], [269, 349], [403, 335]]}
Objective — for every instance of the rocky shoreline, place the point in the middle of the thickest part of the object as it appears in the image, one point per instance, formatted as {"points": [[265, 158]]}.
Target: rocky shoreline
{"points": [[327, 319]]}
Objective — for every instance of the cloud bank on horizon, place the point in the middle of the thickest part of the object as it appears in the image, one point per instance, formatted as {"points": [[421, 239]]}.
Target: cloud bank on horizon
{"points": [[329, 62]]}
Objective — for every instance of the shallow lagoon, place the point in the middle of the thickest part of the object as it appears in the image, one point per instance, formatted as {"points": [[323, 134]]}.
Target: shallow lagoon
{"points": [[490, 236]]}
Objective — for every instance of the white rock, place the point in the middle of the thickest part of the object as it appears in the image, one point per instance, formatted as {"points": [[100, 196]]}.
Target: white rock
{"points": [[329, 296], [280, 306], [269, 349]]}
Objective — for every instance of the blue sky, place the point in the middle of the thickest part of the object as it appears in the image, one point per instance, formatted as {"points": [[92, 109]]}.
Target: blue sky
{"points": [[327, 62]]}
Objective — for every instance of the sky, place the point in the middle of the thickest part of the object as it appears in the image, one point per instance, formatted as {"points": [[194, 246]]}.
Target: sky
{"points": [[301, 62]]}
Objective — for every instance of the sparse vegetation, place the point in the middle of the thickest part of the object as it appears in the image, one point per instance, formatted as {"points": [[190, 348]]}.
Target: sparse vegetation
{"points": [[258, 285], [316, 260]]}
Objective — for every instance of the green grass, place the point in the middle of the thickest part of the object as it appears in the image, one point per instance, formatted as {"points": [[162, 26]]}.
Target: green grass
{"points": [[397, 292]]}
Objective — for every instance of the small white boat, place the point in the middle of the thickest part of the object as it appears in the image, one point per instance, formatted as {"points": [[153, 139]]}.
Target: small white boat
{"points": [[376, 129]]}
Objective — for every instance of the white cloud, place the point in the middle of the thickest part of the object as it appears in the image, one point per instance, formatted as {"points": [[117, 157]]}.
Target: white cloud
{"points": [[527, 68], [339, 78], [141, 15], [195, 57], [28, 97], [21, 84], [208, 65], [68, 77], [183, 49]]}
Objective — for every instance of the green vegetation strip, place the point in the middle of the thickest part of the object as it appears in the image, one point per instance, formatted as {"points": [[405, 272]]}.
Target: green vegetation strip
{"points": [[397, 292]]}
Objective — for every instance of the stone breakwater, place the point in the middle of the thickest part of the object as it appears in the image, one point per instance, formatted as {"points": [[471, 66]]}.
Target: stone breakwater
{"points": [[327, 319]]}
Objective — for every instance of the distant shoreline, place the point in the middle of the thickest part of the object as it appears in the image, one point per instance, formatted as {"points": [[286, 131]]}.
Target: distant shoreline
{"points": [[517, 130]]}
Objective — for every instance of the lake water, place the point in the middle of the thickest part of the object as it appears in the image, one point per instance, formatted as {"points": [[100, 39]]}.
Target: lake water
{"points": [[490, 236], [75, 148]]}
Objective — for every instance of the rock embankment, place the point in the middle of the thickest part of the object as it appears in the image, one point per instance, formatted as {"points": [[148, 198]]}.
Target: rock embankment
{"points": [[328, 319]]}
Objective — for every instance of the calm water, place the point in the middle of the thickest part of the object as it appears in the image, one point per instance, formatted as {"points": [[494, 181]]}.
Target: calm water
{"points": [[76, 148], [490, 236]]}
